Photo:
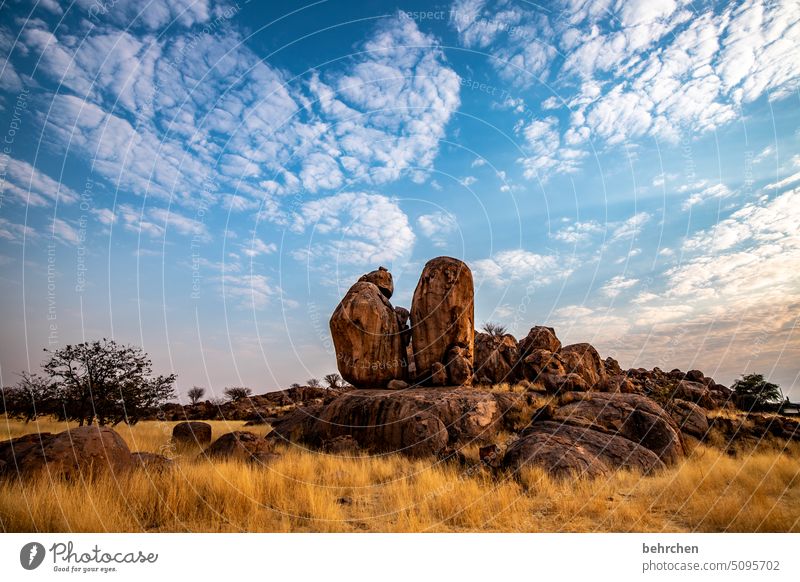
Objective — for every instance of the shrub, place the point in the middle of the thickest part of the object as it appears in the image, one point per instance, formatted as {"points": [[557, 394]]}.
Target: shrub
{"points": [[237, 392]]}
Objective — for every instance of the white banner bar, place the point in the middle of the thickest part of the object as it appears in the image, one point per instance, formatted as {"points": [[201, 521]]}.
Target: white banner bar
{"points": [[400, 557]]}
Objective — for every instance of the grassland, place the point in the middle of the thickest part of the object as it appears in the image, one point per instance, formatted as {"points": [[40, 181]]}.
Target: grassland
{"points": [[313, 492]]}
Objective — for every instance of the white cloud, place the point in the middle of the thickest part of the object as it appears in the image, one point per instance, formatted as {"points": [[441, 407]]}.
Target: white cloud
{"points": [[515, 265], [253, 291], [616, 285], [783, 183], [478, 162], [468, 181], [29, 186], [358, 228], [631, 227], [579, 232], [257, 247], [715, 191], [437, 226], [15, 232], [548, 154], [64, 232]]}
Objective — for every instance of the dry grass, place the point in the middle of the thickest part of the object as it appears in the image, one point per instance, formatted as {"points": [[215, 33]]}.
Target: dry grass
{"points": [[310, 491]]}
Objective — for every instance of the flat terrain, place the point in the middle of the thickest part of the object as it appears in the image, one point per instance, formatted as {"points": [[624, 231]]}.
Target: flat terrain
{"points": [[313, 492]]}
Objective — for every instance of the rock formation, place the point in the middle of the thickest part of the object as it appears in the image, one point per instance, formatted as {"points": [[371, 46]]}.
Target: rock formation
{"points": [[370, 349], [191, 433], [443, 323], [74, 454]]}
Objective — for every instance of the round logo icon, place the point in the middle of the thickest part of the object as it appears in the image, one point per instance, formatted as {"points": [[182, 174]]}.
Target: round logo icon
{"points": [[31, 555]]}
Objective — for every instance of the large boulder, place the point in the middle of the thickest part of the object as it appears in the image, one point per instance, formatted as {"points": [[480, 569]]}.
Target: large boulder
{"points": [[443, 318], [382, 279], [369, 345], [191, 433], [634, 417], [567, 451], [74, 454], [416, 421], [583, 359], [539, 338], [243, 446], [496, 358]]}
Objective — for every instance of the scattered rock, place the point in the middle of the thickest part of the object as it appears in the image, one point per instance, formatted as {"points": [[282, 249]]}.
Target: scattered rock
{"points": [[191, 433], [241, 445], [74, 454], [442, 313], [491, 456], [397, 385], [367, 339], [567, 451]]}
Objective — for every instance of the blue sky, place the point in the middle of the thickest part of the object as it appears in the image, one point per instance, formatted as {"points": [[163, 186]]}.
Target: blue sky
{"points": [[206, 179]]}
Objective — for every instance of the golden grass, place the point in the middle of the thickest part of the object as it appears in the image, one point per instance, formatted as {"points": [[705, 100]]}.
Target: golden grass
{"points": [[309, 491]]}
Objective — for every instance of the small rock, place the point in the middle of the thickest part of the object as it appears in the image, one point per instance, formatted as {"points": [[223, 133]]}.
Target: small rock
{"points": [[397, 385]]}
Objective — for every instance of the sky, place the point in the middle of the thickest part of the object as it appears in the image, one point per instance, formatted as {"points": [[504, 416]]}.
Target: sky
{"points": [[206, 179]]}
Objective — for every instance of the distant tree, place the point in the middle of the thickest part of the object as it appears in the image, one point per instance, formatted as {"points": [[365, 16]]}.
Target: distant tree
{"points": [[237, 392], [106, 382], [313, 382], [31, 397], [334, 381], [195, 394], [494, 329], [295, 385], [752, 392]]}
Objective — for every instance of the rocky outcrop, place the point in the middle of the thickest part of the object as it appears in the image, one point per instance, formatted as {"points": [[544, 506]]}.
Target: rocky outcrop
{"points": [[631, 416], [191, 433], [243, 446], [74, 454], [443, 322], [567, 451], [417, 421], [369, 346], [496, 358]]}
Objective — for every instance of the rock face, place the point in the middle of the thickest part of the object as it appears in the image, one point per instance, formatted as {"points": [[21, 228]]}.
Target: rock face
{"points": [[191, 433], [690, 418], [369, 345], [78, 453], [631, 416], [241, 445], [443, 318], [382, 279], [496, 358], [417, 421], [568, 451]]}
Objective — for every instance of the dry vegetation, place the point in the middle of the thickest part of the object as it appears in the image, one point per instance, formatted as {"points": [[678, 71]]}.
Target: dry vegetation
{"points": [[310, 491]]}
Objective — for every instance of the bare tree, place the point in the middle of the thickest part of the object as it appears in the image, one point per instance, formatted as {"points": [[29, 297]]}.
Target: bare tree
{"points": [[195, 394], [237, 392], [313, 382], [334, 381]]}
